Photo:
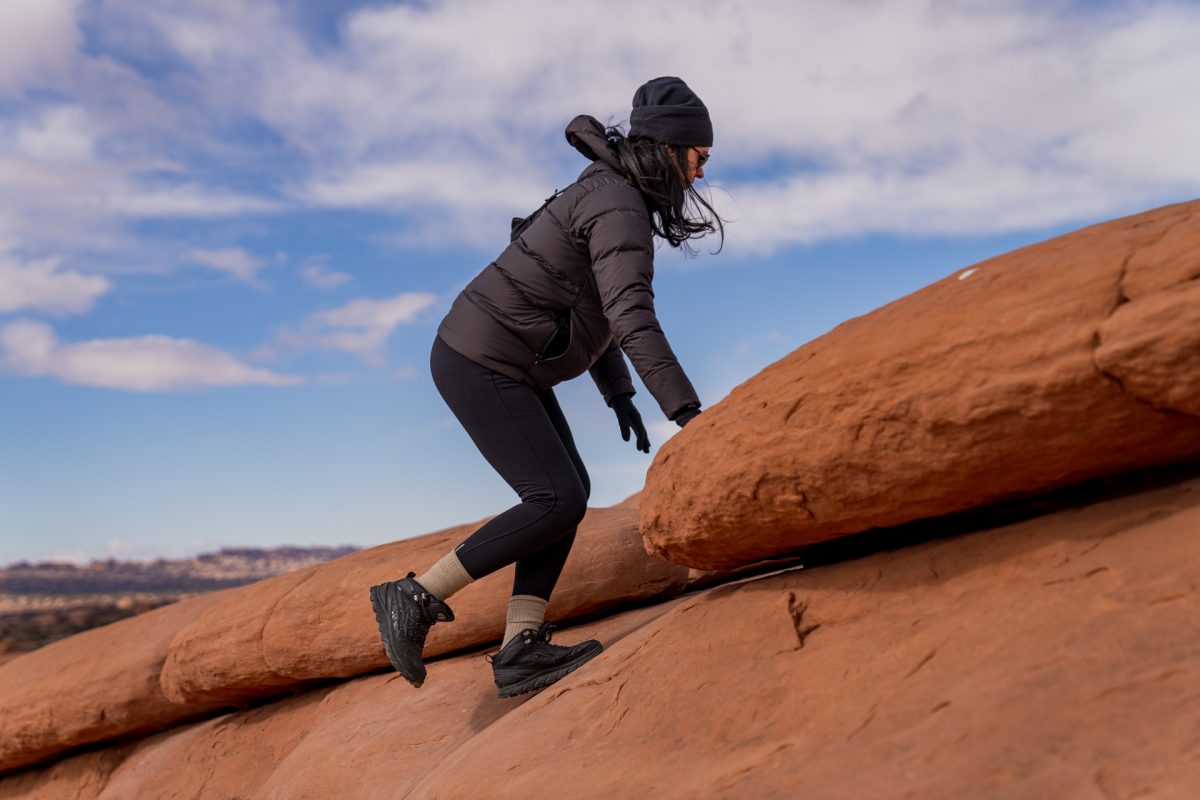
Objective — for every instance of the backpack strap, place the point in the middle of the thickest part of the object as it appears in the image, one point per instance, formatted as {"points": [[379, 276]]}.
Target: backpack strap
{"points": [[521, 224]]}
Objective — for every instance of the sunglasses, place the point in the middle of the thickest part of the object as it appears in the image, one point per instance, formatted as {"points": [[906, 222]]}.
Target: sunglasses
{"points": [[701, 158]]}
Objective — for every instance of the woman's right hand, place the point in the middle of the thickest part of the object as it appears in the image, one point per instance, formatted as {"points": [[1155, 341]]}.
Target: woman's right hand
{"points": [[629, 419]]}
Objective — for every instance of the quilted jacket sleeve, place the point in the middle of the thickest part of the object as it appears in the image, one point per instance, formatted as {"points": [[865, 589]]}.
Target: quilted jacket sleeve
{"points": [[610, 373], [612, 219]]}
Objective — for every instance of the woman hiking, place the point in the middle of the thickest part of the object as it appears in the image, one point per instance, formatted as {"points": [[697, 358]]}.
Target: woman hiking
{"points": [[571, 293]]}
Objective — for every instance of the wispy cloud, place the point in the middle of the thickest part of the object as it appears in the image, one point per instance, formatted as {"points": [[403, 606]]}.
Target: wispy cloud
{"points": [[832, 119], [38, 39], [42, 285], [235, 262], [141, 364], [360, 326], [317, 274], [964, 118]]}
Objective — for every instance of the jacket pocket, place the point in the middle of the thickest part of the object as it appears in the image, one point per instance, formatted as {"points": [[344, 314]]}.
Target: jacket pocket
{"points": [[559, 342]]}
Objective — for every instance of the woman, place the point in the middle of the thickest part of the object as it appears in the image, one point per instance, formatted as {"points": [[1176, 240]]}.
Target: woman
{"points": [[569, 294]]}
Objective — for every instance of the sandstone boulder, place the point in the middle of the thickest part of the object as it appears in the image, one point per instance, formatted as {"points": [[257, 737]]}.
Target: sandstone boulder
{"points": [[374, 736], [94, 685], [1052, 658], [325, 626], [318, 623], [218, 658], [1059, 362], [1151, 346], [225, 757], [80, 777]]}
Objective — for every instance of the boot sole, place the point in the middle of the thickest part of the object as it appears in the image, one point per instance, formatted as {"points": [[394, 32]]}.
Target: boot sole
{"points": [[535, 682], [383, 620]]}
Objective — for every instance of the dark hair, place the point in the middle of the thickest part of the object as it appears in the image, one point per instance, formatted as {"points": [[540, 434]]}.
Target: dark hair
{"points": [[678, 213]]}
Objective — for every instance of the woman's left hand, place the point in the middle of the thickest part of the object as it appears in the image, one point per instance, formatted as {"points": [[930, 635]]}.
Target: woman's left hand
{"points": [[629, 418]]}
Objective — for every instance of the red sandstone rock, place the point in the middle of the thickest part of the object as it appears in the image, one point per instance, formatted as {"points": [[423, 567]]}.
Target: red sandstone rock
{"points": [[984, 386], [318, 623], [1052, 658], [93, 686], [1168, 255], [225, 757], [325, 627], [218, 658], [370, 737], [81, 777], [1152, 346], [377, 736]]}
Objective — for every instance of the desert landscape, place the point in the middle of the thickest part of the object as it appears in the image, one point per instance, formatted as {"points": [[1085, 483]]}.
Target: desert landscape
{"points": [[948, 549], [43, 602]]}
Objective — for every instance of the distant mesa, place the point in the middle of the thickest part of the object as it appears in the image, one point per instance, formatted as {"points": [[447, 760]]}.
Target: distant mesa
{"points": [[46, 601]]}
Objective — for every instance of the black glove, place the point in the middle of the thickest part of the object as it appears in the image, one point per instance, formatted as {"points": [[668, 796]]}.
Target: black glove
{"points": [[628, 417], [684, 416]]}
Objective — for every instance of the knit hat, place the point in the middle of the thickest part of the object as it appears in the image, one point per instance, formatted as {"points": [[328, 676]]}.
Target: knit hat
{"points": [[666, 110]]}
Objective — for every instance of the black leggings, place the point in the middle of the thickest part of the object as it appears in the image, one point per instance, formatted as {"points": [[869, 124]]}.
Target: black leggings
{"points": [[524, 436]]}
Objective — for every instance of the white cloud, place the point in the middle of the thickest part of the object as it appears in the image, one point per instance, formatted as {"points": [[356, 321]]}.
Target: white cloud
{"points": [[143, 364], [234, 262], [833, 119], [320, 276], [360, 326], [913, 117], [60, 133], [41, 285], [37, 40]]}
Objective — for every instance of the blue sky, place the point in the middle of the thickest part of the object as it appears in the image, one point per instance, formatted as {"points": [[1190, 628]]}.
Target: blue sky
{"points": [[228, 231]]}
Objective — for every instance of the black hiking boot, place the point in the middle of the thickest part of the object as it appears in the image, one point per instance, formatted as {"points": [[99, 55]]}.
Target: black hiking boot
{"points": [[405, 612], [529, 662]]}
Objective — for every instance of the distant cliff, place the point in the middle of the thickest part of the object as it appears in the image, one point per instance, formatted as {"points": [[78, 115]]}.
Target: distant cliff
{"points": [[43, 602]]}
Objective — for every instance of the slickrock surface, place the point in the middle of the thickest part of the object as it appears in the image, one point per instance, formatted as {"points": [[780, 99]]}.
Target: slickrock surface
{"points": [[93, 686], [1059, 657], [325, 627], [1152, 346], [318, 623], [218, 658], [371, 737], [275, 636], [1066, 360], [1056, 657], [81, 777]]}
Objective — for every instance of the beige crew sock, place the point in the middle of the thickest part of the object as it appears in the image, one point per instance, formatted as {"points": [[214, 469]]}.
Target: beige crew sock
{"points": [[445, 577], [524, 611]]}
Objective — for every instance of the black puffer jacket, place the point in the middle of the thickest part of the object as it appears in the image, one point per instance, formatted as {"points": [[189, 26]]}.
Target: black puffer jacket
{"points": [[574, 290]]}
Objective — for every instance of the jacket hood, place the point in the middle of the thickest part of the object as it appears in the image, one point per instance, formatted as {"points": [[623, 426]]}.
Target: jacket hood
{"points": [[586, 135]]}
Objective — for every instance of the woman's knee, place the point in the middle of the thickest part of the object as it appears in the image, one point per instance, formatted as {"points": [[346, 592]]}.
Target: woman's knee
{"points": [[566, 502]]}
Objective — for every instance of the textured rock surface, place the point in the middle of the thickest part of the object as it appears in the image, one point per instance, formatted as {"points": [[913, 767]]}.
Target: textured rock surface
{"points": [[93, 686], [371, 737], [271, 637], [226, 757], [1056, 657], [325, 626], [1052, 658], [81, 777], [1152, 346], [978, 388], [218, 658], [318, 623]]}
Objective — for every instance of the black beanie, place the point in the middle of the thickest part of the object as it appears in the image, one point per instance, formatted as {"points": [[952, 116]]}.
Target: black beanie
{"points": [[666, 110]]}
